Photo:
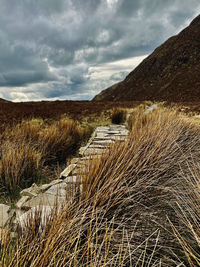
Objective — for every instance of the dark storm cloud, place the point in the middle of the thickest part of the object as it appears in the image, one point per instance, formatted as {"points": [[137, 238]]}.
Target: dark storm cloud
{"points": [[50, 49]]}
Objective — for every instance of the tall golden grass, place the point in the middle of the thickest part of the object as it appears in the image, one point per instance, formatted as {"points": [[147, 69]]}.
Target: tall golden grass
{"points": [[27, 147], [139, 204]]}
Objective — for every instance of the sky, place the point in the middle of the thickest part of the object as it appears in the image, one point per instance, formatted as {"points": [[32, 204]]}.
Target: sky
{"points": [[73, 49]]}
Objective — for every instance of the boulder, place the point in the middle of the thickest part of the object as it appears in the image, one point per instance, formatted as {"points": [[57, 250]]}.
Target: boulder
{"points": [[44, 199], [32, 191], [57, 190], [32, 215], [4, 214]]}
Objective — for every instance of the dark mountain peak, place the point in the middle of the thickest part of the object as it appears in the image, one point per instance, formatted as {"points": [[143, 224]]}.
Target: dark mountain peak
{"points": [[170, 73]]}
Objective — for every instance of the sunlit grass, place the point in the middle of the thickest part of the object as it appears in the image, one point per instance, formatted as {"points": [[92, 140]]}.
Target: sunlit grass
{"points": [[139, 203]]}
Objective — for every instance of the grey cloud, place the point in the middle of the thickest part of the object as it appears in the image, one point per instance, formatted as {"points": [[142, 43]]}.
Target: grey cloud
{"points": [[44, 42], [118, 76]]}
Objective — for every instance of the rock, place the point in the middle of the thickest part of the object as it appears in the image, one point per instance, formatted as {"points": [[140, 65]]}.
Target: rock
{"points": [[113, 132], [94, 151], [96, 146], [44, 187], [74, 160], [57, 181], [100, 139], [101, 134], [102, 129], [32, 215], [103, 142], [118, 138], [58, 190], [70, 179], [22, 200], [68, 170], [151, 108], [44, 199], [4, 214], [32, 191]]}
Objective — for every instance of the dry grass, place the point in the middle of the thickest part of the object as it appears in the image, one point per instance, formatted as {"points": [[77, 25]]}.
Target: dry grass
{"points": [[118, 116], [139, 205], [29, 146]]}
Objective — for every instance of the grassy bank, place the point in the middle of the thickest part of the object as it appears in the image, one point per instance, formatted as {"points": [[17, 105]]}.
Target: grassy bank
{"points": [[139, 205], [34, 150]]}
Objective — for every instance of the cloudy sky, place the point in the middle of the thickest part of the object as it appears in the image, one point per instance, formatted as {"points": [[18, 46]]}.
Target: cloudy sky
{"points": [[73, 49]]}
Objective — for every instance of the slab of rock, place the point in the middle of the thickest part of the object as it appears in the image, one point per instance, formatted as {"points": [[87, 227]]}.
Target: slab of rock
{"points": [[103, 142], [4, 214], [68, 171], [70, 179], [74, 160], [22, 200], [41, 212], [102, 128], [44, 187], [113, 132], [32, 191], [94, 151], [44, 199], [96, 146], [100, 139], [116, 126], [58, 190], [101, 134]]}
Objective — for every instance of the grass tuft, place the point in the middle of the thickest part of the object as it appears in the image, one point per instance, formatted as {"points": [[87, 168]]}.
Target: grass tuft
{"points": [[118, 116]]}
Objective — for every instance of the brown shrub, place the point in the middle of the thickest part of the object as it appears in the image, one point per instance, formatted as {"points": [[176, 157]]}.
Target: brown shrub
{"points": [[118, 116]]}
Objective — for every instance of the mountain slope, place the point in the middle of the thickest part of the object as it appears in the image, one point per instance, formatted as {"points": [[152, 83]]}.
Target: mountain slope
{"points": [[170, 73]]}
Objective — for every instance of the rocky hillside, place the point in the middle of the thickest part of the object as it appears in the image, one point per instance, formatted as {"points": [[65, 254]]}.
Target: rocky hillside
{"points": [[170, 73]]}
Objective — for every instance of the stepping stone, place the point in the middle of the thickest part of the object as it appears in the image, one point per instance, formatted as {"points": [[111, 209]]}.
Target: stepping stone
{"points": [[94, 151], [44, 187], [28, 217], [4, 214], [96, 146], [74, 160], [113, 132], [98, 138], [32, 191], [21, 202], [117, 138], [57, 190], [103, 142], [44, 199], [70, 179], [68, 170], [101, 135], [102, 128]]}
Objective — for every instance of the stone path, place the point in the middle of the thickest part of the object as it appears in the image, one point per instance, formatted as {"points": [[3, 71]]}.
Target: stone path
{"points": [[44, 198]]}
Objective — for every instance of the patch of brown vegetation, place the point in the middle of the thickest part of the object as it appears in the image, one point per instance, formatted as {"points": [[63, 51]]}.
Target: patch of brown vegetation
{"points": [[77, 110]]}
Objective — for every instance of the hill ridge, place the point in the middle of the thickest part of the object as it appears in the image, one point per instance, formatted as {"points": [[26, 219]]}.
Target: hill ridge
{"points": [[170, 73]]}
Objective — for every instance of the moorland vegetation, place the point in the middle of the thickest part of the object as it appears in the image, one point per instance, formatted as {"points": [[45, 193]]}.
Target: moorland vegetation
{"points": [[139, 204]]}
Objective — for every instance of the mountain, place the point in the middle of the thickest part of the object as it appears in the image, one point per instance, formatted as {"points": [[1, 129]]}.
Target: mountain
{"points": [[170, 73], [4, 101]]}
